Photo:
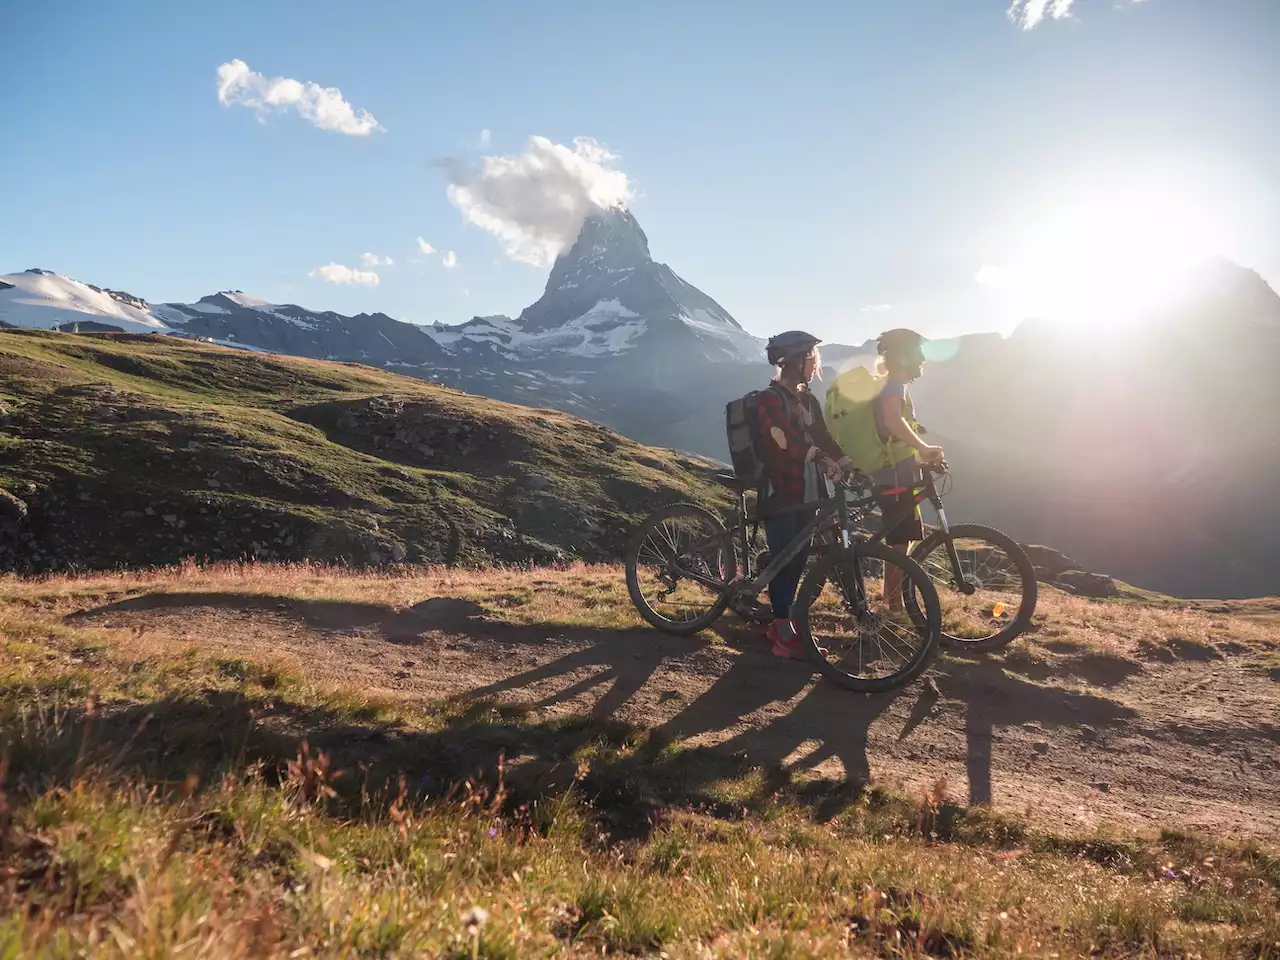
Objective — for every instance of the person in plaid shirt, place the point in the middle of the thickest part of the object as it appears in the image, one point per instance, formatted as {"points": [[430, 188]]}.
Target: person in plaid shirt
{"points": [[800, 457]]}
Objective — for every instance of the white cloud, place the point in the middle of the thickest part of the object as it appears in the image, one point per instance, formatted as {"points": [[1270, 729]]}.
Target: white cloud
{"points": [[323, 106], [337, 273], [535, 202], [375, 260], [1029, 14], [450, 260], [876, 308], [485, 138], [425, 247]]}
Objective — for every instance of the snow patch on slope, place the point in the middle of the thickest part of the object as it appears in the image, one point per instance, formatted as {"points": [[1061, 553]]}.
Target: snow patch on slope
{"points": [[42, 299], [607, 329], [240, 298], [731, 341]]}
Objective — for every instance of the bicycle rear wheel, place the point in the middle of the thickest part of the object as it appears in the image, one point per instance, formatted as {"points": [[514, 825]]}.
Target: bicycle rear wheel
{"points": [[1000, 597], [850, 636], [670, 544]]}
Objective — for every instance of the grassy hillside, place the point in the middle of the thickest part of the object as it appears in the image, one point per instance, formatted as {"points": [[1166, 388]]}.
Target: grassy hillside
{"points": [[170, 786], [135, 450]]}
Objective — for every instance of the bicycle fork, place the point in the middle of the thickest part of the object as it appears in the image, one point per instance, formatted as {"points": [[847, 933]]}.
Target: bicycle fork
{"points": [[852, 583], [962, 585]]}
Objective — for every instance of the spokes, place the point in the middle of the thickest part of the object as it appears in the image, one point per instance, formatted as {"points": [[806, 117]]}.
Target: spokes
{"points": [[676, 550], [857, 633], [989, 597]]}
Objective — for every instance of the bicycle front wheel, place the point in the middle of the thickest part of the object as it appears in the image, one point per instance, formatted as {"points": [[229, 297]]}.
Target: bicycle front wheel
{"points": [[680, 562], [848, 629], [994, 603]]}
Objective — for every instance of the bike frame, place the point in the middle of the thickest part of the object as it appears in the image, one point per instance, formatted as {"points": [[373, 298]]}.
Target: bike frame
{"points": [[841, 509], [920, 492], [824, 512], [927, 489]]}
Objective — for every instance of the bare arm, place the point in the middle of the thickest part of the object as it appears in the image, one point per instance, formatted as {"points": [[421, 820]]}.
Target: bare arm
{"points": [[901, 431]]}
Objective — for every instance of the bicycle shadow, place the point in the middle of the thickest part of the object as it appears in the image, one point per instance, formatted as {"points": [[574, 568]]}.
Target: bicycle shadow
{"points": [[775, 714], [812, 723], [623, 670], [995, 696], [621, 666]]}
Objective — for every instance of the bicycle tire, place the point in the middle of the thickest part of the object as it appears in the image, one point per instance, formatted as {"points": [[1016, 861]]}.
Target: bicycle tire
{"points": [[811, 588], [1017, 624], [647, 526]]}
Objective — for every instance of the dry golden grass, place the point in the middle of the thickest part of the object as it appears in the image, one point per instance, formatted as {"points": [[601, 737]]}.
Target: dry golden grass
{"points": [[539, 592], [109, 848], [1131, 629]]}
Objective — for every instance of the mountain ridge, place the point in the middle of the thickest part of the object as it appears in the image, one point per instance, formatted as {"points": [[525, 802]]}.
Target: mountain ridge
{"points": [[1101, 442], [605, 298]]}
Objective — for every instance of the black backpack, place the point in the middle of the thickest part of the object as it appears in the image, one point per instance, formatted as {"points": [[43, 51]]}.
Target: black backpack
{"points": [[742, 427]]}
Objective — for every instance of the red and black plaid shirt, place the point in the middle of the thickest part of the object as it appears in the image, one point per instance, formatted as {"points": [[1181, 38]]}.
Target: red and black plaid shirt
{"points": [[792, 435]]}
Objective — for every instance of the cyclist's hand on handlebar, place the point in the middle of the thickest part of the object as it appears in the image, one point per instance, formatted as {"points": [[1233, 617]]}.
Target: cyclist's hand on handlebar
{"points": [[830, 469], [938, 466], [855, 479], [933, 456]]}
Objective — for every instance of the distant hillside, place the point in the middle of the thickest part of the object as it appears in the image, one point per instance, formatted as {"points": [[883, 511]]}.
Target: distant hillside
{"points": [[120, 449], [1149, 451]]}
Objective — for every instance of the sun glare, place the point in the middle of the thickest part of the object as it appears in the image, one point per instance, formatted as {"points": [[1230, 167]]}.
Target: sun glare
{"points": [[1107, 254]]}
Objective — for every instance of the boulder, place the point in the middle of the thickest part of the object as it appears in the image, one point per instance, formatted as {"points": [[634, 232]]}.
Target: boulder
{"points": [[1049, 563], [1088, 584], [535, 481], [13, 512]]}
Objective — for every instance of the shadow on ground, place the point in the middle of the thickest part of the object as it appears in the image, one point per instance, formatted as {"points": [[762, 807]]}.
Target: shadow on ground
{"points": [[823, 723]]}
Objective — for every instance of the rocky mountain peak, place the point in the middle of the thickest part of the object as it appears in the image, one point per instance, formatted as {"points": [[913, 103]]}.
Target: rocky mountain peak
{"points": [[610, 245], [608, 284]]}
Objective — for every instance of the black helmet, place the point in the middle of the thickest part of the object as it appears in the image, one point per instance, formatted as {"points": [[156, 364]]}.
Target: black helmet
{"points": [[898, 341], [790, 344]]}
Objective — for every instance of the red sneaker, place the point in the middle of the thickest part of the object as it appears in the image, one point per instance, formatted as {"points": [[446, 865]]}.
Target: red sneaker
{"points": [[782, 633]]}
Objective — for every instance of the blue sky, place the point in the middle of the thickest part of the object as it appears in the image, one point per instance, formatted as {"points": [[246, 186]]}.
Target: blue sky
{"points": [[806, 164]]}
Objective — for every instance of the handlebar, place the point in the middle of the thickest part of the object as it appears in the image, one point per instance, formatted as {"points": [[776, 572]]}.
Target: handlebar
{"points": [[856, 481]]}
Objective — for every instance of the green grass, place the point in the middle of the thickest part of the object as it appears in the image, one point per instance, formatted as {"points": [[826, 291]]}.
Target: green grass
{"points": [[284, 458], [159, 801]]}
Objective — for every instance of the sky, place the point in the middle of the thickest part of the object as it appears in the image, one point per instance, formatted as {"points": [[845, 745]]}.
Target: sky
{"points": [[837, 166]]}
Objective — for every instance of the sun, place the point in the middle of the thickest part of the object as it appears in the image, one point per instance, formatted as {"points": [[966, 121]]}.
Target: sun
{"points": [[1107, 253]]}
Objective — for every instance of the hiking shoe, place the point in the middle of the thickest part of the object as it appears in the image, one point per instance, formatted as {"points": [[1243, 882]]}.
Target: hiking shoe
{"points": [[786, 644]]}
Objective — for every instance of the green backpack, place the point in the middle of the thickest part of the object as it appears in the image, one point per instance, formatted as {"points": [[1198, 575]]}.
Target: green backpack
{"points": [[852, 421]]}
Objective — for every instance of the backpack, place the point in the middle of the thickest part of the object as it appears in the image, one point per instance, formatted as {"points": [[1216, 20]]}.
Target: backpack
{"points": [[850, 415], [742, 427]]}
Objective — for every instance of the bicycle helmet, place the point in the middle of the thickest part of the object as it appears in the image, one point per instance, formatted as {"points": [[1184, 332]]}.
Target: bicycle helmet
{"points": [[793, 343], [898, 341]]}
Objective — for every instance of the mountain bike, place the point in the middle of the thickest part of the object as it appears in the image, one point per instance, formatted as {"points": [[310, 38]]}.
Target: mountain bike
{"points": [[682, 569], [986, 583]]}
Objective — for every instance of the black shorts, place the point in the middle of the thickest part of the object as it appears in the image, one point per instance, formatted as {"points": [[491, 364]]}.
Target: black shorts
{"points": [[900, 512]]}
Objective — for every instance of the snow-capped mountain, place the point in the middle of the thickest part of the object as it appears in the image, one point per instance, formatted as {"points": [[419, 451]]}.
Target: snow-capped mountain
{"points": [[44, 299], [607, 297], [615, 336], [237, 319]]}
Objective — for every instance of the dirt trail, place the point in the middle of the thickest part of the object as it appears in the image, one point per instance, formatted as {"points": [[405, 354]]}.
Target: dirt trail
{"points": [[1082, 739]]}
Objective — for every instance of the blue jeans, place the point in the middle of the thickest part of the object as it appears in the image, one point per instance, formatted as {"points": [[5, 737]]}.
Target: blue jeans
{"points": [[779, 532]]}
